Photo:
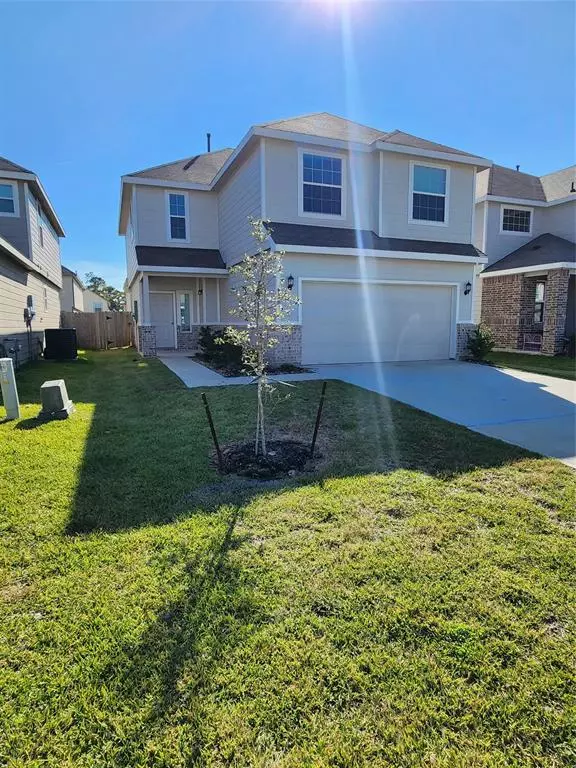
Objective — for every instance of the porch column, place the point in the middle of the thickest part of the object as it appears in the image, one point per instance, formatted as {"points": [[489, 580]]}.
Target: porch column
{"points": [[555, 308], [146, 317]]}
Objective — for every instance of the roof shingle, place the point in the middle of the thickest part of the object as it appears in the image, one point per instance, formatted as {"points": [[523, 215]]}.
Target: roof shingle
{"points": [[8, 165], [199, 169], [166, 256], [544, 249], [500, 181], [340, 237]]}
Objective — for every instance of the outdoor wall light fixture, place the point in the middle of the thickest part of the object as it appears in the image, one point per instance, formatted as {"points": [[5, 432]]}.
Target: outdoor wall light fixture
{"points": [[200, 291], [467, 288], [290, 282]]}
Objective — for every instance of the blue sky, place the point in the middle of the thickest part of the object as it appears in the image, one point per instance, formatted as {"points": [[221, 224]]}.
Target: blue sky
{"points": [[96, 90]]}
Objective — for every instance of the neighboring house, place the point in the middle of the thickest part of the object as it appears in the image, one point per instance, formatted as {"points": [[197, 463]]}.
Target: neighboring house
{"points": [[377, 230], [72, 296], [30, 270], [93, 302], [526, 225]]}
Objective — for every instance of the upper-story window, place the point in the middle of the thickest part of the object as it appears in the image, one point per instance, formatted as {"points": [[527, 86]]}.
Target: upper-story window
{"points": [[177, 224], [8, 199], [429, 194], [515, 219], [321, 185]]}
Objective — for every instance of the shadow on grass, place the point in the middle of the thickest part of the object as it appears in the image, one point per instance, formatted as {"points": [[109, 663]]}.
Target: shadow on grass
{"points": [[148, 453], [173, 664]]}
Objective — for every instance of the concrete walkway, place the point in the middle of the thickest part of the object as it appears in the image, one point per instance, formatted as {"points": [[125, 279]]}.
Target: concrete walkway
{"points": [[527, 409]]}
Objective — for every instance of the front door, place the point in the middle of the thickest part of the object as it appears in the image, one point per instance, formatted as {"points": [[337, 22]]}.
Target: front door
{"points": [[162, 316]]}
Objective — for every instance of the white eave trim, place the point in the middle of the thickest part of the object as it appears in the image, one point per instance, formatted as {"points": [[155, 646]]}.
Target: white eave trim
{"points": [[165, 183], [521, 202], [534, 268], [413, 255], [182, 270]]}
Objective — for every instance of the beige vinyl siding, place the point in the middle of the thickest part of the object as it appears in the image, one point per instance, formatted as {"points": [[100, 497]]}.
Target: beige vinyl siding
{"points": [[204, 308], [348, 267], [16, 284], [152, 218], [90, 299], [477, 295], [46, 256], [283, 179], [479, 217], [397, 201], [14, 228], [560, 220], [239, 197], [130, 244], [500, 245]]}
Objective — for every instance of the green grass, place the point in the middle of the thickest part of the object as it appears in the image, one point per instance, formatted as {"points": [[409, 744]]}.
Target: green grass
{"points": [[413, 604], [563, 367]]}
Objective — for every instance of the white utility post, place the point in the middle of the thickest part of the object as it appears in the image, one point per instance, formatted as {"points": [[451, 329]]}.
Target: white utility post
{"points": [[9, 391]]}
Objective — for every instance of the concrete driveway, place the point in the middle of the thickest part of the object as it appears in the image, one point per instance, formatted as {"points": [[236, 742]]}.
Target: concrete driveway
{"points": [[526, 409]]}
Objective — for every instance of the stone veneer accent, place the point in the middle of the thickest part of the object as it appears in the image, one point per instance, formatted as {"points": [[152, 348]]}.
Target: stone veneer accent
{"points": [[288, 349], [463, 331], [147, 340], [555, 309]]}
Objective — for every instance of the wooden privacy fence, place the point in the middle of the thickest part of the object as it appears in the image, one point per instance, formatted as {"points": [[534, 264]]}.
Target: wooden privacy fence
{"points": [[100, 330]]}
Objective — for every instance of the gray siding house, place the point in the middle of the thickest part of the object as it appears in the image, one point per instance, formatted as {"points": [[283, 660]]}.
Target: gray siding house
{"points": [[377, 229], [30, 270], [526, 226]]}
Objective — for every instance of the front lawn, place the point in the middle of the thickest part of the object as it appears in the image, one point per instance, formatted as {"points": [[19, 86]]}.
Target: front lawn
{"points": [[411, 605], [563, 367]]}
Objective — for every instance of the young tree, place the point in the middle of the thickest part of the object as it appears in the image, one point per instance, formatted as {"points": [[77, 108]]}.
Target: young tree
{"points": [[263, 302]]}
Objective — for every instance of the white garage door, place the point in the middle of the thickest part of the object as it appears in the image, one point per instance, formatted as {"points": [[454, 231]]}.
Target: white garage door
{"points": [[356, 323]]}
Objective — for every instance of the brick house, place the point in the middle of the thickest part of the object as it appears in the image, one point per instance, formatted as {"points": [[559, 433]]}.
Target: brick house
{"points": [[526, 225]]}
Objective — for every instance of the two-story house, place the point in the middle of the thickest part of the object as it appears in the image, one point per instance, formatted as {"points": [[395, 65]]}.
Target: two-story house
{"points": [[377, 229], [526, 226], [30, 272]]}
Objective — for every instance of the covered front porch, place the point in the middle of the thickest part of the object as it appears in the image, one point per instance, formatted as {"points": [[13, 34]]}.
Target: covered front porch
{"points": [[172, 308]]}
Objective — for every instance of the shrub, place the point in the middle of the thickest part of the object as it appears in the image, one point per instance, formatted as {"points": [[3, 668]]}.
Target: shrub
{"points": [[216, 350], [480, 343]]}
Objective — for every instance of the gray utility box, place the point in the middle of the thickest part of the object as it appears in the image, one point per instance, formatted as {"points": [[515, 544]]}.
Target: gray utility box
{"points": [[55, 401]]}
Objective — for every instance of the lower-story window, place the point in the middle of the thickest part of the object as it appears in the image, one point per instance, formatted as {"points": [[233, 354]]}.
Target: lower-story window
{"points": [[184, 311], [539, 303]]}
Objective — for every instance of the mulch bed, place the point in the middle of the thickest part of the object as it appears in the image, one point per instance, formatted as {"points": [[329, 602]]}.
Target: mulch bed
{"points": [[284, 457], [231, 370]]}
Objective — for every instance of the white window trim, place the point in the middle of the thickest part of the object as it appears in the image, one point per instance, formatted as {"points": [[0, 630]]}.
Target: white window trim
{"points": [[309, 214], [446, 196], [169, 237], [516, 208], [15, 197]]}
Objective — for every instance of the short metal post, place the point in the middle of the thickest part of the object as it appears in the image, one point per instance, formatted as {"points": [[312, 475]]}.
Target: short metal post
{"points": [[9, 391], [318, 415], [213, 431]]}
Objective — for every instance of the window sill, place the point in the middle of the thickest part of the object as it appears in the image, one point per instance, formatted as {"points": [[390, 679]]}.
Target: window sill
{"points": [[428, 223], [331, 216]]}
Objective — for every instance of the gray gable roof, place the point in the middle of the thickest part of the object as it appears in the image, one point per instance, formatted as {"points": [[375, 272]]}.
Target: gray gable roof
{"points": [[166, 256], [74, 275], [8, 165], [500, 181], [326, 125], [340, 237], [544, 249], [199, 169], [559, 184]]}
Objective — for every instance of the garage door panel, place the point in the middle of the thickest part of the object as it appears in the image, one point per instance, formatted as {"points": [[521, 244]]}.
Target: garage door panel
{"points": [[351, 322]]}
